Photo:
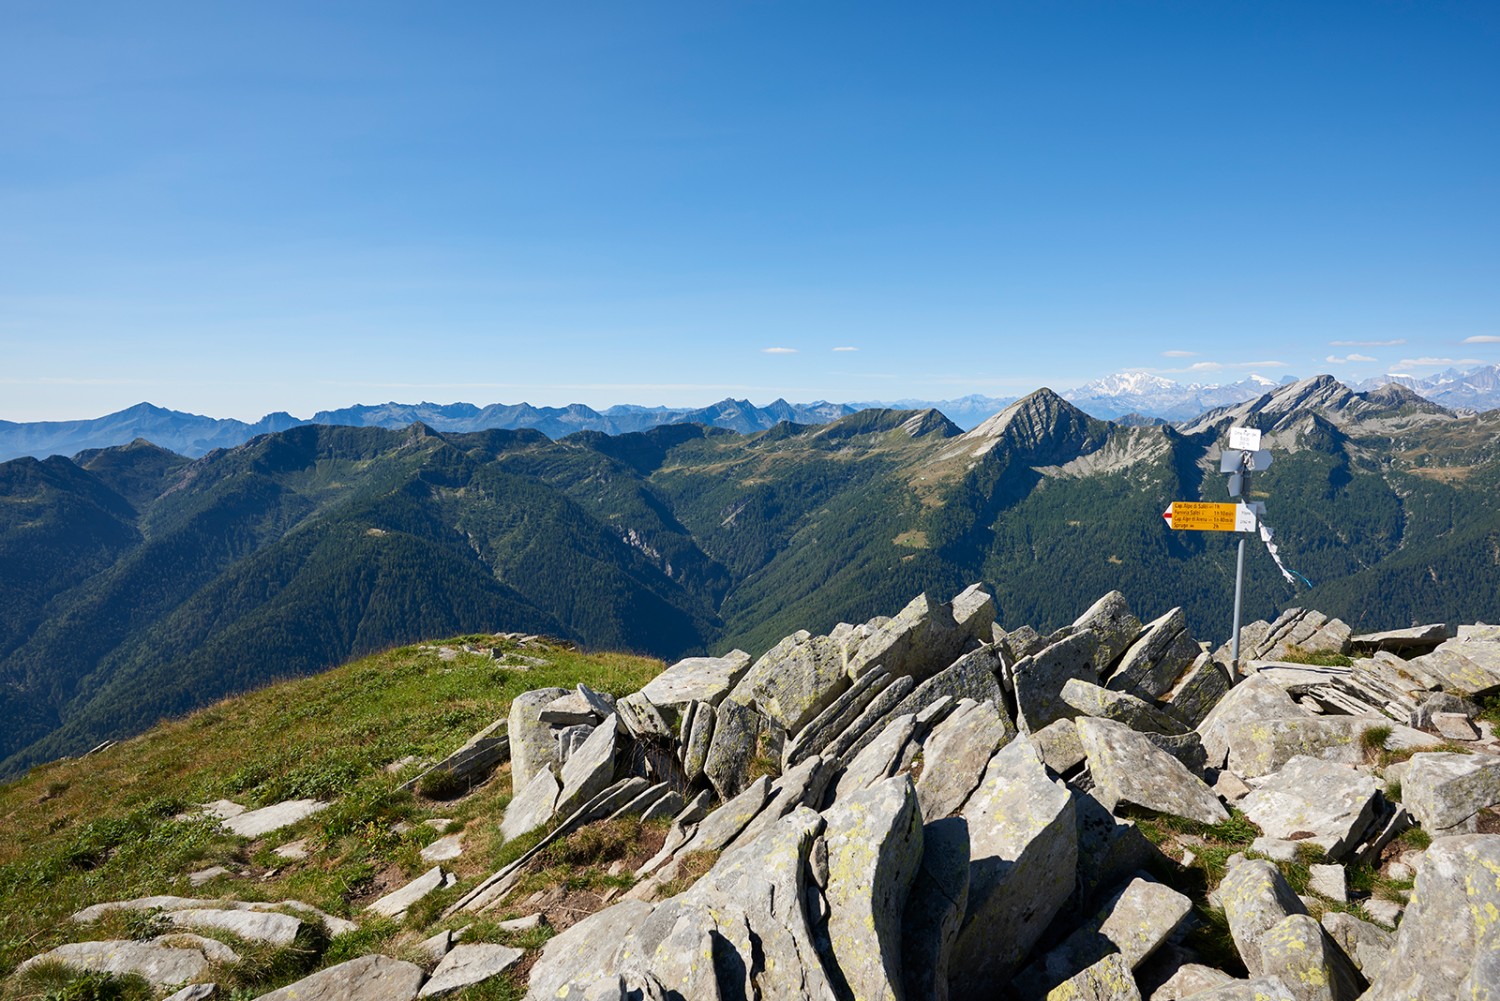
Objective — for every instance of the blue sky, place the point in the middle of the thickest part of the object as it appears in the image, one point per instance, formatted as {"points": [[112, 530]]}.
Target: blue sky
{"points": [[240, 208]]}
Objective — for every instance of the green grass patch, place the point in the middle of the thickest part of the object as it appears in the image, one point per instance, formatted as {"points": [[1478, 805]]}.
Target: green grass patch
{"points": [[1316, 658], [56, 982]]}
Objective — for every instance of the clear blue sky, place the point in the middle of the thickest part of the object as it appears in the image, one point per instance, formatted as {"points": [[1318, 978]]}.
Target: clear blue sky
{"points": [[238, 208]]}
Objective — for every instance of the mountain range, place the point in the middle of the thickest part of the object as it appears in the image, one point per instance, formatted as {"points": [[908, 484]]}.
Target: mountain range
{"points": [[1127, 397], [137, 583]]}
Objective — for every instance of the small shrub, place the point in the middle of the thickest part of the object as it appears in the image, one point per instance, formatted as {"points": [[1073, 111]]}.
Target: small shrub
{"points": [[1316, 658], [1373, 739], [147, 924], [1415, 838], [442, 784], [594, 843]]}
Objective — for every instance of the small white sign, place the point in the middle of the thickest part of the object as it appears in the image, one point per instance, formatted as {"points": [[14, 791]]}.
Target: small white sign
{"points": [[1244, 518], [1245, 439]]}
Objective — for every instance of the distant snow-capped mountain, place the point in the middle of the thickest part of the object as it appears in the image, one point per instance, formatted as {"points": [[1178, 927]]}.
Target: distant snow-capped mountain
{"points": [[1143, 393], [1476, 389]]}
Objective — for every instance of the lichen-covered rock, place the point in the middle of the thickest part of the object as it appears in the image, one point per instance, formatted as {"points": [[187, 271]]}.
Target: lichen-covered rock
{"points": [[532, 744], [793, 681], [1110, 619], [736, 735], [467, 964], [1023, 856], [268, 927], [1256, 898], [956, 753], [879, 760], [1445, 792], [1253, 699], [870, 722], [1059, 746], [1129, 769], [1259, 989], [1334, 804], [925, 637], [585, 952], [1199, 689], [1190, 980], [1261, 746], [874, 840], [1154, 662], [1367, 945], [1132, 925], [820, 732], [934, 909], [1448, 943], [590, 769], [1298, 952], [1109, 979], [1039, 679], [1088, 699], [700, 736], [696, 679], [368, 978], [398, 901], [804, 785]]}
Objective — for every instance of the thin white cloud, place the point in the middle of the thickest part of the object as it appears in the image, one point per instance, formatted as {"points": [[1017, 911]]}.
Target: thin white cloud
{"points": [[846, 349], [1348, 360], [1179, 354], [1435, 362], [1367, 344], [778, 351], [1482, 339], [1214, 366]]}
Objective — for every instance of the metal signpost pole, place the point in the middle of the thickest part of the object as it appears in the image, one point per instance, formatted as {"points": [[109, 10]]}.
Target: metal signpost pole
{"points": [[1239, 578]]}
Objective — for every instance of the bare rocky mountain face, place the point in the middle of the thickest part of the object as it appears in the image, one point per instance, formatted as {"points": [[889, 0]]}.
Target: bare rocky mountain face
{"points": [[929, 806]]}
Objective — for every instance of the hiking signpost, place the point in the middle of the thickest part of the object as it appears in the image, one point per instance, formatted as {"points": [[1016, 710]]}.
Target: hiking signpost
{"points": [[1243, 457]]}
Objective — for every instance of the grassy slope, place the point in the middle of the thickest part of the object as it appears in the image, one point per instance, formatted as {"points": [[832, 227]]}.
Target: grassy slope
{"points": [[86, 830]]}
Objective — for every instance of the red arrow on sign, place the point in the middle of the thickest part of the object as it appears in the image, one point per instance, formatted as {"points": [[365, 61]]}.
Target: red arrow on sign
{"points": [[1167, 514]]}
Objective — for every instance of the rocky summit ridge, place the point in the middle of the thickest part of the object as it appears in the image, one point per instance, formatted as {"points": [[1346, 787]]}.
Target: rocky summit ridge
{"points": [[926, 805]]}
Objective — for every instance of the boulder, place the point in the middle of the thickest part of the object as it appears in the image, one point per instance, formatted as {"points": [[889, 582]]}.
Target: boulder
{"points": [[1189, 981], [257, 823], [467, 964], [268, 927], [1088, 699], [1259, 989], [1297, 951], [971, 676], [1059, 746], [444, 849], [1330, 804], [571, 709], [804, 785], [934, 909], [1154, 662], [396, 903], [879, 760], [1329, 881], [1255, 698], [828, 724], [1128, 768], [1367, 945], [700, 738], [533, 806], [1260, 747], [1110, 619], [1445, 792], [1256, 898], [1299, 629], [925, 637], [368, 978], [735, 743], [1417, 639], [870, 722], [1199, 689], [956, 753], [161, 965], [532, 745], [722, 826], [1132, 925], [1039, 679], [1110, 851], [1462, 664], [874, 840], [585, 952], [1107, 980], [793, 681], [974, 612], [590, 769], [1023, 855]]}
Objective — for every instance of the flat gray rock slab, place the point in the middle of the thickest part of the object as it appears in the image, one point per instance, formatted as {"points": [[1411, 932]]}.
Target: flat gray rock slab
{"points": [[1259, 989], [256, 823], [213, 950], [1260, 747], [396, 902], [293, 851], [269, 927], [1129, 769], [1256, 898], [1132, 926], [1413, 639], [1059, 746], [468, 964], [1107, 980], [1445, 792], [590, 769], [532, 806], [736, 733], [161, 965], [335, 926], [696, 679], [1330, 881], [874, 840], [1039, 679], [1153, 663], [532, 745], [1122, 707], [368, 978], [1366, 944], [878, 761], [1200, 688], [1023, 861], [194, 992], [1333, 803], [444, 849], [955, 755], [1298, 952], [204, 875]]}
